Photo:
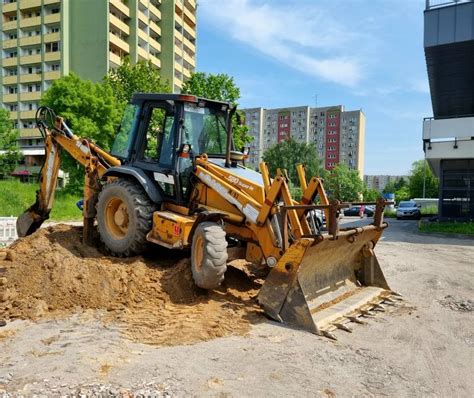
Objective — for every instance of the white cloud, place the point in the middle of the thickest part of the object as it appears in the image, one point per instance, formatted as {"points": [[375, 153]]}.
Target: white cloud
{"points": [[307, 39]]}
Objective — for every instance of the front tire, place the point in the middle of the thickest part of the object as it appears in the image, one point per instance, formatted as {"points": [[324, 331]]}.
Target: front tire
{"points": [[209, 255], [124, 217]]}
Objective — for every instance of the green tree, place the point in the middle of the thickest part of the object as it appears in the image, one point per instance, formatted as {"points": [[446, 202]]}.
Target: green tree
{"points": [[390, 187], [287, 154], [344, 184], [90, 109], [421, 171], [129, 79], [400, 183], [10, 155], [402, 194], [219, 87], [370, 194]]}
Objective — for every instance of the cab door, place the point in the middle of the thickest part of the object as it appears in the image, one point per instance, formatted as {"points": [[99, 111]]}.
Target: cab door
{"points": [[156, 147]]}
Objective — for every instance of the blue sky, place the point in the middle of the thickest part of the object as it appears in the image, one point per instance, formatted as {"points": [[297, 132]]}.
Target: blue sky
{"points": [[364, 54]]}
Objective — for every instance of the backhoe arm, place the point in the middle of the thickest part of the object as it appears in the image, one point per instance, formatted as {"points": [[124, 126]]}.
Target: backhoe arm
{"points": [[96, 161]]}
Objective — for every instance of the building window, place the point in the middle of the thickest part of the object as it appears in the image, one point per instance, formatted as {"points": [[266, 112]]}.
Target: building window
{"points": [[52, 47]]}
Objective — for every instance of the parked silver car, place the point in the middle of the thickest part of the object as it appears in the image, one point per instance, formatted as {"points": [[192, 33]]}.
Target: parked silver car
{"points": [[408, 209]]}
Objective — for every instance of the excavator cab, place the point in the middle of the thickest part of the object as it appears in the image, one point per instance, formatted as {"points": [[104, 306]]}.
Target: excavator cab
{"points": [[161, 134]]}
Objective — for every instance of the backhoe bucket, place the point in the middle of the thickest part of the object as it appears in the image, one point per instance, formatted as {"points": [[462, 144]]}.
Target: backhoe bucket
{"points": [[30, 221], [322, 284]]}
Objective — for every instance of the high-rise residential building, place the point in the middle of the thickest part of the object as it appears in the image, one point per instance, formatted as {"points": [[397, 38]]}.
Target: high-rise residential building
{"points": [[43, 40], [339, 135]]}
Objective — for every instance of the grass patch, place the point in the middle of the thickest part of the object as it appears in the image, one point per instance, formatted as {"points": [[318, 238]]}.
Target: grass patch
{"points": [[16, 197], [429, 211], [466, 228]]}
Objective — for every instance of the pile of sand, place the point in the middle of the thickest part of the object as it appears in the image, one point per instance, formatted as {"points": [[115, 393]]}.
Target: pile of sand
{"points": [[154, 300]]}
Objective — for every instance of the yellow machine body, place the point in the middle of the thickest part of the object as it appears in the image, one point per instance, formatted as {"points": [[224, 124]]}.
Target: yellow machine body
{"points": [[318, 280]]}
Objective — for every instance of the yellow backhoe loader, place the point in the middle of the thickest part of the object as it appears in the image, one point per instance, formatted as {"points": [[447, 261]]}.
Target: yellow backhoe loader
{"points": [[174, 179]]}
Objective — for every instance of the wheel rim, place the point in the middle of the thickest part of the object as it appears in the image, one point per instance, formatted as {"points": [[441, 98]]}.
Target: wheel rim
{"points": [[117, 218], [198, 252]]}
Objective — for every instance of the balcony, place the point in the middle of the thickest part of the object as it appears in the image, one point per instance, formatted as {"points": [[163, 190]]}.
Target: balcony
{"points": [[9, 61], [186, 73], [53, 56], [142, 53], [190, 16], [448, 138], [142, 17], [142, 35], [31, 78], [13, 115], [117, 41], [28, 114], [121, 7], [30, 41], [48, 2], [155, 61], [49, 37], [114, 59], [6, 26], [29, 22], [155, 28], [153, 43], [9, 7], [119, 24], [30, 133], [52, 18], [10, 43], [153, 10], [30, 59], [10, 79], [188, 59], [34, 96], [52, 75], [25, 4], [10, 98]]}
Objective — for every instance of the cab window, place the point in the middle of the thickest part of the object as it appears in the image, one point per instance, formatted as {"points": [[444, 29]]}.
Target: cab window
{"points": [[159, 143]]}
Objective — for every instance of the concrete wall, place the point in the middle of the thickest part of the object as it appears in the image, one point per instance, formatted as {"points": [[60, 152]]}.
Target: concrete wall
{"points": [[89, 44]]}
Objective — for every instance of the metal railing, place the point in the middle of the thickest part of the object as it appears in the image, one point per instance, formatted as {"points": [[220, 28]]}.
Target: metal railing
{"points": [[430, 4]]}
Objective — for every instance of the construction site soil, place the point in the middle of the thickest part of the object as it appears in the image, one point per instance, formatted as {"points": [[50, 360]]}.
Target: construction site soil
{"points": [[51, 274]]}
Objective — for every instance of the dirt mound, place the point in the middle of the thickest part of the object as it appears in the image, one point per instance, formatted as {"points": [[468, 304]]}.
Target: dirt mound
{"points": [[154, 300]]}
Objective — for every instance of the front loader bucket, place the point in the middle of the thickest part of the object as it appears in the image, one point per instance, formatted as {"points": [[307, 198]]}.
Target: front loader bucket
{"points": [[322, 284]]}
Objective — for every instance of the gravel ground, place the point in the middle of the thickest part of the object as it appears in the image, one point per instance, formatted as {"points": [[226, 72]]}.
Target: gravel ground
{"points": [[424, 347]]}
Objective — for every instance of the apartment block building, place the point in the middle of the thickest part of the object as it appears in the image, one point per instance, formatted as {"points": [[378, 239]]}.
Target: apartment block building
{"points": [[43, 40], [339, 135], [379, 182]]}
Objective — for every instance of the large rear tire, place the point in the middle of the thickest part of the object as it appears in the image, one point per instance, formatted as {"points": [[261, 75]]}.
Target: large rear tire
{"points": [[124, 217], [209, 255]]}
